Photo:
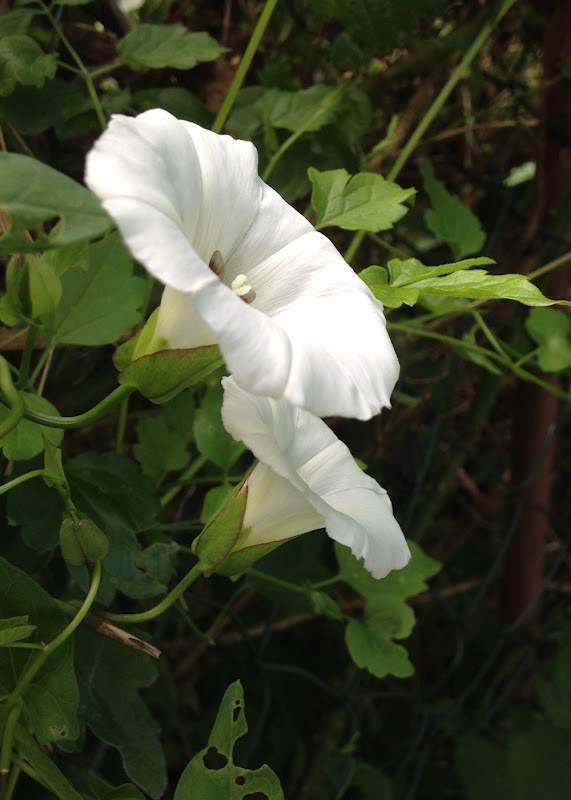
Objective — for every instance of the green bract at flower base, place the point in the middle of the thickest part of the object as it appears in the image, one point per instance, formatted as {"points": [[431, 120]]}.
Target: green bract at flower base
{"points": [[158, 373]]}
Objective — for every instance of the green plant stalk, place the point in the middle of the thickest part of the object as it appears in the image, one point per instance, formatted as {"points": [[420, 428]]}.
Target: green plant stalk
{"points": [[121, 425], [35, 473], [244, 65], [491, 338], [60, 638], [292, 587], [550, 266], [515, 368], [14, 399], [81, 420], [8, 737], [156, 611], [183, 479], [80, 65], [295, 136], [44, 771], [455, 77], [27, 357], [12, 782]]}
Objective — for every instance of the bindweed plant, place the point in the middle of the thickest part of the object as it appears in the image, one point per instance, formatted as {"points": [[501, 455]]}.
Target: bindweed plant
{"points": [[195, 328]]}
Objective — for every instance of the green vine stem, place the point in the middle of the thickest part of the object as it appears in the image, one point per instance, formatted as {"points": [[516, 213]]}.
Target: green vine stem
{"points": [[35, 473], [183, 479], [60, 638], [456, 76], [83, 71], [8, 737], [79, 421], [14, 399], [27, 357], [324, 107], [156, 611], [244, 65]]}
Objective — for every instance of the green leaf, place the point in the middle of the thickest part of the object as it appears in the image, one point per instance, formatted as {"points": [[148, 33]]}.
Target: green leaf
{"points": [[44, 286], [32, 110], [26, 439], [551, 330], [365, 201], [23, 61], [17, 21], [110, 676], [159, 450], [14, 630], [370, 640], [111, 491], [212, 439], [37, 510], [178, 101], [390, 296], [310, 109], [100, 305], [102, 790], [159, 46], [51, 699], [33, 196], [401, 583], [450, 219], [64, 258], [212, 774], [213, 499], [54, 476]]}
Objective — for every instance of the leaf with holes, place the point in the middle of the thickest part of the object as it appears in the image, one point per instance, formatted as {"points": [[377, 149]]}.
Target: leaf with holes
{"points": [[33, 196], [212, 773], [51, 698]]}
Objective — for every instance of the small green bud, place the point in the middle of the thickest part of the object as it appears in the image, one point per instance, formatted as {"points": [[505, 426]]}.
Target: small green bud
{"points": [[82, 542]]}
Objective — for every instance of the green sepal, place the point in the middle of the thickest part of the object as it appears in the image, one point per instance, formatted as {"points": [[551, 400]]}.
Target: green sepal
{"points": [[160, 374], [223, 531], [239, 560], [81, 541]]}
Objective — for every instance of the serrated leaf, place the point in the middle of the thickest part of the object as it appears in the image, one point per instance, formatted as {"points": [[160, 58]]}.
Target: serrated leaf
{"points": [[159, 46], [23, 61], [310, 109], [362, 202], [390, 296], [370, 640], [33, 196], [212, 439], [110, 676], [449, 218], [51, 699], [402, 583], [551, 330], [212, 774], [100, 305], [26, 439]]}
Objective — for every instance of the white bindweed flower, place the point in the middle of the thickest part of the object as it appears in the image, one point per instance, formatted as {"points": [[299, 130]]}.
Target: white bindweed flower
{"points": [[308, 479], [242, 268]]}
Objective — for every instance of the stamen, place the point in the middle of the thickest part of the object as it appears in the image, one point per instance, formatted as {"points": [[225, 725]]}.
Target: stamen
{"points": [[241, 288], [217, 264]]}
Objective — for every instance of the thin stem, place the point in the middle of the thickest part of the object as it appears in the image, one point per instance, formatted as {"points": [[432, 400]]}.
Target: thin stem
{"points": [[39, 366], [14, 399], [549, 267], [8, 737], [244, 65], [156, 611], [395, 251], [80, 65], [457, 74], [12, 782], [323, 108], [35, 473], [27, 357], [183, 479], [55, 643], [491, 338], [292, 587], [97, 73], [121, 425], [79, 421]]}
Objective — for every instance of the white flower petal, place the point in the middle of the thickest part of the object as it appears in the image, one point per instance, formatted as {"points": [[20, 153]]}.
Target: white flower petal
{"points": [[312, 331], [301, 449]]}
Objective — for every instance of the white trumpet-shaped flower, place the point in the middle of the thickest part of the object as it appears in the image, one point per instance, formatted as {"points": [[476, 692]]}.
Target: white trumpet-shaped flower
{"points": [[242, 268], [307, 479]]}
